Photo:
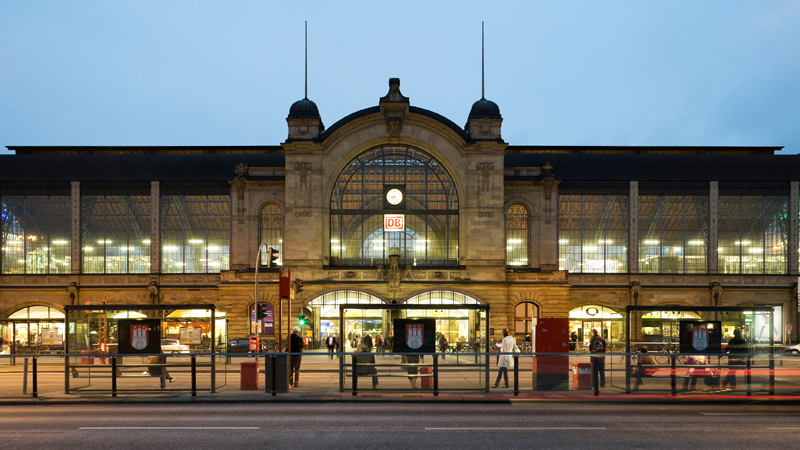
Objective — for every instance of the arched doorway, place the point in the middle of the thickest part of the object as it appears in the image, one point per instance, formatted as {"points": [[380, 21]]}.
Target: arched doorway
{"points": [[33, 330], [607, 321], [457, 325], [324, 313]]}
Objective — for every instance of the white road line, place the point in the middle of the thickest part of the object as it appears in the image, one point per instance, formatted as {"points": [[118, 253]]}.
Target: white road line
{"points": [[514, 428], [169, 428], [746, 414], [784, 428]]}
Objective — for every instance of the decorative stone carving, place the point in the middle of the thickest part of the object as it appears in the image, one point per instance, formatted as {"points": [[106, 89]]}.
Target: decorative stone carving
{"points": [[394, 107], [241, 169], [394, 125], [485, 170], [303, 214], [73, 290], [485, 214], [349, 274], [715, 291], [152, 292], [636, 292], [303, 169]]}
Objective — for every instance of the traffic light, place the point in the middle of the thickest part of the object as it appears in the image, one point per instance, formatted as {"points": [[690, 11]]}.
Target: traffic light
{"points": [[272, 260], [298, 285], [259, 311], [302, 320]]}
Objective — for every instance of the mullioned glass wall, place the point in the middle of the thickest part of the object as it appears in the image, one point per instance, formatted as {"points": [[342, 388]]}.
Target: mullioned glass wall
{"points": [[517, 236], [195, 233], [673, 233], [35, 233], [593, 233], [753, 234], [115, 233]]}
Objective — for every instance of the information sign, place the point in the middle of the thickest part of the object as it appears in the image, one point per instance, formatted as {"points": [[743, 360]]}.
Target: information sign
{"points": [[394, 222], [191, 335]]}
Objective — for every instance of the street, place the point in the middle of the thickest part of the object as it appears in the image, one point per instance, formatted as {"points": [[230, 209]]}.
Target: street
{"points": [[399, 425]]}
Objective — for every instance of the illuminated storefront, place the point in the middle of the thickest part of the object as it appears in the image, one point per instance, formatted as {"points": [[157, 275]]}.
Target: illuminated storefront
{"points": [[607, 321]]}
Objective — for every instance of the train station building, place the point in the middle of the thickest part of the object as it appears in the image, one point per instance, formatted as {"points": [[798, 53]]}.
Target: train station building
{"points": [[395, 204]]}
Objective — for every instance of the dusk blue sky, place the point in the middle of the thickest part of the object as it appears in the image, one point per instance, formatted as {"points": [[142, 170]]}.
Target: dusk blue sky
{"points": [[562, 72]]}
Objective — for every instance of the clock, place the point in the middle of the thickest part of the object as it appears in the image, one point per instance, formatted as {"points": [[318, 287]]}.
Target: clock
{"points": [[394, 196]]}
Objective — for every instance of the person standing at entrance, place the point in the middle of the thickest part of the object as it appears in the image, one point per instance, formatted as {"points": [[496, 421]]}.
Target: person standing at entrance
{"points": [[598, 345], [508, 345], [367, 341], [331, 344], [295, 346]]}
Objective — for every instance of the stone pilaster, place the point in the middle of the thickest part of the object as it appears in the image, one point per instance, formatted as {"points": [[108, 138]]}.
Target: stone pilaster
{"points": [[794, 210], [633, 227], [155, 227], [75, 193], [713, 235]]}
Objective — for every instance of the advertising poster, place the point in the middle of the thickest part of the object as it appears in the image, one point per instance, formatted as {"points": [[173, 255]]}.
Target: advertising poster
{"points": [[139, 336], [268, 319], [191, 335], [414, 335]]}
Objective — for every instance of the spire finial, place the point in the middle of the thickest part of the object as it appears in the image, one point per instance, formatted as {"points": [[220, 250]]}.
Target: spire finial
{"points": [[306, 95], [483, 96]]}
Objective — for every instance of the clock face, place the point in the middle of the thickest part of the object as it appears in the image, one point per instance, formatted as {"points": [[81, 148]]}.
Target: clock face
{"points": [[394, 196]]}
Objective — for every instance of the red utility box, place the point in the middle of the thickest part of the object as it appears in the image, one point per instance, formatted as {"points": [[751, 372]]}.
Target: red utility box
{"points": [[551, 335], [249, 376], [582, 375], [87, 359]]}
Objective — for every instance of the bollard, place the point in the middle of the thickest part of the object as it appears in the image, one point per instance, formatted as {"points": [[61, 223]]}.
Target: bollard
{"points": [[435, 375], [354, 375], [516, 375], [113, 376], [747, 377], [194, 376], [35, 387], [25, 376], [274, 376], [771, 374]]}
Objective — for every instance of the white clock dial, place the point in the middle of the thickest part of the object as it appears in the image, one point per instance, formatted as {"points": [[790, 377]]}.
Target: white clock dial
{"points": [[394, 196]]}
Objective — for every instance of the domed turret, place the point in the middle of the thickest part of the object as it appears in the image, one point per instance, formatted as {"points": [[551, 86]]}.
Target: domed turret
{"points": [[484, 109], [484, 121], [304, 109]]}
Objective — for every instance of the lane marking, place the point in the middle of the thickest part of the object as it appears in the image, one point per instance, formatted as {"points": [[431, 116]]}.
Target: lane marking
{"points": [[746, 414], [514, 428], [169, 428], [784, 428]]}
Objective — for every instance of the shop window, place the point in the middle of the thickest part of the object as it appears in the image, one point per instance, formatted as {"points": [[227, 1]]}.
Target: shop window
{"points": [[272, 231], [517, 236], [524, 313]]}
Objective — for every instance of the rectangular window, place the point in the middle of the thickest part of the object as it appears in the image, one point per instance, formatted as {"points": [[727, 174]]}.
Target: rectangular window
{"points": [[195, 233], [673, 234], [593, 233], [115, 233], [35, 233], [753, 234]]}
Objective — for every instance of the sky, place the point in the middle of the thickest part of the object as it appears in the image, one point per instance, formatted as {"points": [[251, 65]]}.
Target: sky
{"points": [[99, 73]]}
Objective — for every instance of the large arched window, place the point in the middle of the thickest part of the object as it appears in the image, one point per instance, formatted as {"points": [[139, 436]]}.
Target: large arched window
{"points": [[272, 230], [517, 236], [428, 204], [524, 313]]}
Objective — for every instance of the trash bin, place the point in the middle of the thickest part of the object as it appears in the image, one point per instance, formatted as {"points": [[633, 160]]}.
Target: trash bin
{"points": [[582, 375], [87, 359], [249, 376]]}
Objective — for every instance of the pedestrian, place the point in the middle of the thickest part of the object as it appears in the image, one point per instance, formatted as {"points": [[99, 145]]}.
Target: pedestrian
{"points": [[693, 373], [736, 345], [508, 345], [643, 360], [366, 365], [331, 344], [379, 343], [367, 341], [412, 362], [295, 346], [597, 345], [573, 341], [443, 345], [357, 343]]}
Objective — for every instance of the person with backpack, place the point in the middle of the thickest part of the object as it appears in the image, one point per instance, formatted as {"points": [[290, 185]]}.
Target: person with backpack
{"points": [[598, 345]]}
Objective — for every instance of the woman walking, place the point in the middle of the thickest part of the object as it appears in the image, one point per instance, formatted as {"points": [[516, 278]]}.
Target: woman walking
{"points": [[508, 345]]}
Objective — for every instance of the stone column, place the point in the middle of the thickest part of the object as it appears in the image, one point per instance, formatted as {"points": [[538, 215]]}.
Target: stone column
{"points": [[794, 210], [155, 227], [75, 263], [713, 235], [633, 227]]}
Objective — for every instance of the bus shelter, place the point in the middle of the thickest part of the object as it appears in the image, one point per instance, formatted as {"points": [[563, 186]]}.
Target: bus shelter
{"points": [[135, 332], [477, 329], [672, 333]]}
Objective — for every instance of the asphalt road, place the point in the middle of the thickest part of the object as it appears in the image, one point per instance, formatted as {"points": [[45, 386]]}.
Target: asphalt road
{"points": [[398, 425]]}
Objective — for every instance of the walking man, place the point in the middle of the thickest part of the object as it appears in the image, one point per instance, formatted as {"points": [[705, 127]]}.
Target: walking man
{"points": [[598, 345], [331, 344], [295, 346]]}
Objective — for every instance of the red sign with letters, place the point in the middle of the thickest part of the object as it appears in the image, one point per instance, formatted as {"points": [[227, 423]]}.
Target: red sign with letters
{"points": [[394, 222]]}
